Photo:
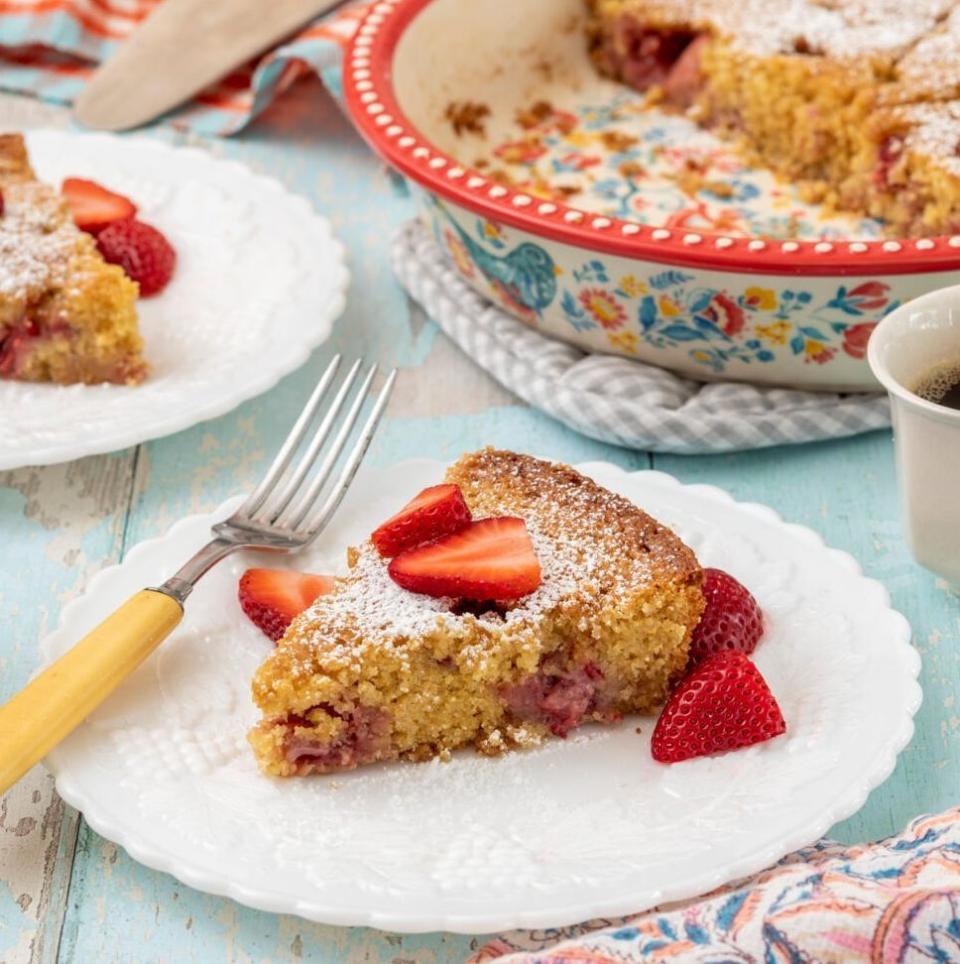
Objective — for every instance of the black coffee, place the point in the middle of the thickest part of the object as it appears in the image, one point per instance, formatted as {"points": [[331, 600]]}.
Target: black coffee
{"points": [[941, 385]]}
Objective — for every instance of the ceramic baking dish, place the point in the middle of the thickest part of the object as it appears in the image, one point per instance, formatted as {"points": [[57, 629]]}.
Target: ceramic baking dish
{"points": [[602, 222]]}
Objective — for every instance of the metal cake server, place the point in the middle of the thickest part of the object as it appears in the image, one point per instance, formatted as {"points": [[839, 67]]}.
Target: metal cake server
{"points": [[181, 48]]}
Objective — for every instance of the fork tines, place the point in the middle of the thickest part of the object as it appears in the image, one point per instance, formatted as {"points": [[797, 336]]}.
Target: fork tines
{"points": [[296, 495]]}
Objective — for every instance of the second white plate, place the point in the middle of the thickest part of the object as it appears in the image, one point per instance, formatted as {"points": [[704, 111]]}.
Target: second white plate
{"points": [[260, 280], [577, 829]]}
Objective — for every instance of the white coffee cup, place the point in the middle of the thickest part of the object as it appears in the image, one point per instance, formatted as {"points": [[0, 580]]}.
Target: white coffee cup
{"points": [[906, 346]]}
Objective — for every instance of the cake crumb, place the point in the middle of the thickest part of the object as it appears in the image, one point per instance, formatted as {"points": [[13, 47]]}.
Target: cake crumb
{"points": [[467, 117]]}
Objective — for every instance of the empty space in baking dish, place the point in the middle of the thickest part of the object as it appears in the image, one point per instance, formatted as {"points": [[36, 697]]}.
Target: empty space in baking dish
{"points": [[514, 94]]}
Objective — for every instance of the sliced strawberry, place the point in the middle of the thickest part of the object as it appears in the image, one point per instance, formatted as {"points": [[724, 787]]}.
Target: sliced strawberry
{"points": [[142, 251], [273, 597], [94, 207], [435, 512], [489, 559], [723, 704], [732, 619]]}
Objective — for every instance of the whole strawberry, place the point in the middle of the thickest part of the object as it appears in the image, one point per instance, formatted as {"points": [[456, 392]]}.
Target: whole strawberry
{"points": [[732, 619], [723, 704], [142, 251]]}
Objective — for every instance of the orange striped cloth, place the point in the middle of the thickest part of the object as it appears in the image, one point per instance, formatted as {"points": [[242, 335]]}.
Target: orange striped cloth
{"points": [[49, 47]]}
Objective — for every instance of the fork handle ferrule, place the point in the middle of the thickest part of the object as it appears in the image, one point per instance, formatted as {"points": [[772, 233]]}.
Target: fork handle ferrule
{"points": [[181, 583], [66, 692]]}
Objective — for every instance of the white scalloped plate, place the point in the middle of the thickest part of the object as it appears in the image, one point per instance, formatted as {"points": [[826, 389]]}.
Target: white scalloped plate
{"points": [[260, 280], [577, 829]]}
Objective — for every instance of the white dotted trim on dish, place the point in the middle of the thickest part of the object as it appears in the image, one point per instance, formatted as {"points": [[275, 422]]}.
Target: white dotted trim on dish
{"points": [[723, 243], [630, 228], [601, 223], [573, 217], [892, 246], [455, 172], [475, 181], [789, 247], [660, 234], [521, 201], [437, 162], [692, 238], [755, 245], [421, 152], [925, 244], [498, 190], [858, 247], [547, 209], [822, 247]]}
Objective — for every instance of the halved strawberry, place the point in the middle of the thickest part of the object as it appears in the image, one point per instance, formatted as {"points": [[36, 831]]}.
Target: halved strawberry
{"points": [[273, 597], [489, 559], [94, 207], [732, 619], [723, 704], [435, 512]]}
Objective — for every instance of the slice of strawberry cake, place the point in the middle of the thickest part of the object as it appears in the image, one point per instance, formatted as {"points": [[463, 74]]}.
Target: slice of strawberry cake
{"points": [[65, 314], [521, 600]]}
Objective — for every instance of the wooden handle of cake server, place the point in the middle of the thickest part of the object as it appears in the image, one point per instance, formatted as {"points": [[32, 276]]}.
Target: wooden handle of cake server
{"points": [[66, 692]]}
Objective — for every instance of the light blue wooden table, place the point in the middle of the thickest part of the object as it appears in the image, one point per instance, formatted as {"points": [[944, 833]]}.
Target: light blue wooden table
{"points": [[68, 895]]}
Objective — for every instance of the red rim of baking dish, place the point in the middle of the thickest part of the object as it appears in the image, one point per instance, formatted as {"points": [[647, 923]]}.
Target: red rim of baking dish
{"points": [[368, 87]]}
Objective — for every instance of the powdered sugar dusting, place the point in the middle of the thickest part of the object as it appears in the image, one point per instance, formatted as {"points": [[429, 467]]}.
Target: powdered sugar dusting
{"points": [[372, 609], [593, 551], [932, 67], [37, 240], [838, 28], [935, 133]]}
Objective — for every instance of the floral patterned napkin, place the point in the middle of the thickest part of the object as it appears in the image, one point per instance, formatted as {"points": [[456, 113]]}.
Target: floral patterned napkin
{"points": [[894, 901]]}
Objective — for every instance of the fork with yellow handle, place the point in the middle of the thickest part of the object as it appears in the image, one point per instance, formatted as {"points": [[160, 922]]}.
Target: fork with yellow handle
{"points": [[290, 507]]}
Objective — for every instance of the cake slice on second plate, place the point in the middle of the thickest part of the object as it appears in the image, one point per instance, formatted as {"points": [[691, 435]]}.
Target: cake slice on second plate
{"points": [[373, 671], [65, 314]]}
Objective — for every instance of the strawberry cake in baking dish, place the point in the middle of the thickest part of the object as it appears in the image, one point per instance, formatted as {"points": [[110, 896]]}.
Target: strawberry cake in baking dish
{"points": [[511, 603], [857, 101]]}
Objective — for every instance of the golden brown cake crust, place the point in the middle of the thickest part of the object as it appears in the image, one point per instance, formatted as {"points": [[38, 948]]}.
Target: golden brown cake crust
{"points": [[557, 495], [605, 633], [65, 314]]}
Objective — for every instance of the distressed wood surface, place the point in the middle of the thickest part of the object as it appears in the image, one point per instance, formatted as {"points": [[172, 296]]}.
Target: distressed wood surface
{"points": [[66, 894]]}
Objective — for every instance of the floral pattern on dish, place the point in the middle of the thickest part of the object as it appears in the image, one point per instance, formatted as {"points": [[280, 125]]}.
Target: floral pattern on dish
{"points": [[670, 311], [624, 159]]}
